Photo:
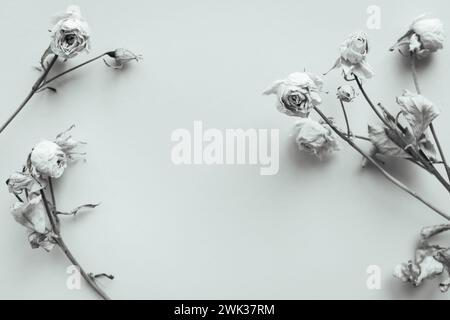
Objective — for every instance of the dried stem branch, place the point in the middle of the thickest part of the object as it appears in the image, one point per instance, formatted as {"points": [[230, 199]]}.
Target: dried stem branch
{"points": [[33, 91], [426, 163], [379, 167], [46, 82], [433, 130], [349, 132]]}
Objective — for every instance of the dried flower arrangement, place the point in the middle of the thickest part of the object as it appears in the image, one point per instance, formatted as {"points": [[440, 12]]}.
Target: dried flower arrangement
{"points": [[70, 36], [32, 186], [405, 134], [35, 208]]}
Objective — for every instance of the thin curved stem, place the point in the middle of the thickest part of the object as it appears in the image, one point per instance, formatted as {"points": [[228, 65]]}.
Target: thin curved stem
{"points": [[425, 161], [52, 192], [371, 104], [85, 276], [46, 82], [380, 168], [349, 132], [432, 129], [33, 91]]}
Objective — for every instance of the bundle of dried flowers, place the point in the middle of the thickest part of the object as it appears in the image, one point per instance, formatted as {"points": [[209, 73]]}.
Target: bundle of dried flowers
{"points": [[404, 134], [69, 36], [35, 208]]}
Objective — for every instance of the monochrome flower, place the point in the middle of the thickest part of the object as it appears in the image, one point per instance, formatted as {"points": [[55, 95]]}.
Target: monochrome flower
{"points": [[315, 138], [298, 94], [425, 36], [70, 34], [121, 57], [48, 159], [31, 215], [22, 181], [353, 56], [346, 93]]}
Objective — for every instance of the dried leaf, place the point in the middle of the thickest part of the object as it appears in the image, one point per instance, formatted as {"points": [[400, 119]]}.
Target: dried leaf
{"points": [[381, 139], [418, 111], [75, 211]]}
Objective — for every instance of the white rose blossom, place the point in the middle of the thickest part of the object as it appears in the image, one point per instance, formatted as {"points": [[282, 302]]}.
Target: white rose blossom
{"points": [[424, 37], [353, 56], [121, 57], [298, 94], [315, 138], [70, 34]]}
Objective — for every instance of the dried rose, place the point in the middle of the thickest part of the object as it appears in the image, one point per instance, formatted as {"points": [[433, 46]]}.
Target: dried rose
{"points": [[346, 93], [354, 52], [70, 34], [48, 159], [315, 138], [298, 94], [425, 36]]}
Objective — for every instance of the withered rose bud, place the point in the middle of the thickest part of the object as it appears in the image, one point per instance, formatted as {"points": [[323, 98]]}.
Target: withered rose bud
{"points": [[120, 57], [353, 56], [424, 37], [346, 93]]}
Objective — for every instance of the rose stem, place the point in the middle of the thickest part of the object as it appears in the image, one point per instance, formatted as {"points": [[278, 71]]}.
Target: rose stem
{"points": [[52, 192], [433, 131], [86, 277], [34, 89], [361, 88], [427, 164], [46, 82], [346, 118], [379, 167], [59, 240]]}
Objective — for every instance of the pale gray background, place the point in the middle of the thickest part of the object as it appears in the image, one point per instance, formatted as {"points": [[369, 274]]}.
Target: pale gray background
{"points": [[170, 232]]}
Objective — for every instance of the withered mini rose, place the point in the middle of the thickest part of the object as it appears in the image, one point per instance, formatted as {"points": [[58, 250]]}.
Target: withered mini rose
{"points": [[298, 94]]}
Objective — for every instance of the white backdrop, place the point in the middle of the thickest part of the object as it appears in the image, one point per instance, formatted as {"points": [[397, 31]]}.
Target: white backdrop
{"points": [[213, 232]]}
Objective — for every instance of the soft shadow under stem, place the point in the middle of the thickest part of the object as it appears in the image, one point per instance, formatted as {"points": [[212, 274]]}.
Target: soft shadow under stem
{"points": [[59, 240], [33, 91], [379, 167], [432, 129]]}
